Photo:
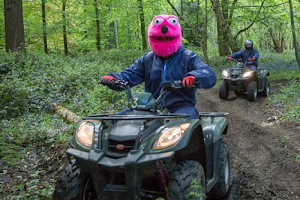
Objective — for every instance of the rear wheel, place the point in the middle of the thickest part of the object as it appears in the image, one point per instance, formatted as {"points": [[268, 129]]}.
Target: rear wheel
{"points": [[74, 185], [252, 91], [222, 186], [223, 90], [267, 89], [188, 182]]}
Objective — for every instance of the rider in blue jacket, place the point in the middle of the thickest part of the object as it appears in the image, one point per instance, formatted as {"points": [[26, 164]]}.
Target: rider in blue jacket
{"points": [[249, 53], [175, 63]]}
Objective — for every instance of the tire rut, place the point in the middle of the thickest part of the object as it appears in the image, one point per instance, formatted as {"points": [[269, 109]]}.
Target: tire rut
{"points": [[263, 166]]}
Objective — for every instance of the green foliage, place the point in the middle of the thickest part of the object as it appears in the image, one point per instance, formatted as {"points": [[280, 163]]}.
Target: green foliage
{"points": [[39, 129], [194, 188], [32, 190], [288, 101]]}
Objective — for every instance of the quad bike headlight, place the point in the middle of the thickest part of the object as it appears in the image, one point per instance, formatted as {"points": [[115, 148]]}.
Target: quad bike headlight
{"points": [[225, 73], [85, 134], [170, 136], [247, 74]]}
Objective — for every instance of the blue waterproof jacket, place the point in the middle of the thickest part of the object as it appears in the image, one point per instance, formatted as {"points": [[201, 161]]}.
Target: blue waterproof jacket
{"points": [[154, 70], [246, 54]]}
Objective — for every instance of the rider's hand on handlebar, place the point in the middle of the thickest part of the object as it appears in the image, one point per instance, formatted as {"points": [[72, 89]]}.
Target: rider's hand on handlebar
{"points": [[253, 58], [229, 58], [110, 82], [188, 81], [107, 79]]}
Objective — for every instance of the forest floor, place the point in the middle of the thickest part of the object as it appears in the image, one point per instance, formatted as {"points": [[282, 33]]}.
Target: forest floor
{"points": [[264, 150]]}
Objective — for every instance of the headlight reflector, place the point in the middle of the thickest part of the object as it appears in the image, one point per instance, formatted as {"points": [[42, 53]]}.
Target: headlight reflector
{"points": [[247, 74], [170, 136], [225, 73], [85, 134]]}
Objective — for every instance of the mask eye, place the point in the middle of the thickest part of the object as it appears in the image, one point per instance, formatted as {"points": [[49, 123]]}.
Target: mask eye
{"points": [[173, 21], [158, 21]]}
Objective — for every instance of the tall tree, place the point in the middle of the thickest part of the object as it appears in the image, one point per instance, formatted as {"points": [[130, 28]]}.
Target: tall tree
{"points": [[44, 26], [97, 26], [294, 33], [205, 34], [64, 2], [223, 27], [142, 18], [14, 28]]}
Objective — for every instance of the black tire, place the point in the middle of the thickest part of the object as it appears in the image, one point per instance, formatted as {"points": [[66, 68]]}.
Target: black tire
{"points": [[74, 185], [252, 91], [223, 184], [267, 89], [181, 181], [223, 90]]}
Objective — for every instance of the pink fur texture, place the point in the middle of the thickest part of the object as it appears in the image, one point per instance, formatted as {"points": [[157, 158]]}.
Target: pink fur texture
{"points": [[164, 41]]}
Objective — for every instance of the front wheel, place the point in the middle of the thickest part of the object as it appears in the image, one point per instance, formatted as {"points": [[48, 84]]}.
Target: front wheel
{"points": [[223, 90], [222, 186], [252, 91], [188, 182], [74, 185]]}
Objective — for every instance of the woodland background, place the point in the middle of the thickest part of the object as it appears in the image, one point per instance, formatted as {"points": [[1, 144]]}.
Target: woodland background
{"points": [[56, 51]]}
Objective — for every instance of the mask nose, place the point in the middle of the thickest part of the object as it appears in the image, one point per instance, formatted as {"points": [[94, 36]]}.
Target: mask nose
{"points": [[164, 29]]}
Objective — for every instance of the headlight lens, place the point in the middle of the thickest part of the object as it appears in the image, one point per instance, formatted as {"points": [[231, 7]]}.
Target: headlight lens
{"points": [[225, 73], [247, 74], [85, 134], [170, 136]]}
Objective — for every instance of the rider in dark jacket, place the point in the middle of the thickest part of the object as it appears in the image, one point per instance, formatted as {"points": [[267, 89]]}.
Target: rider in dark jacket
{"points": [[249, 53], [175, 63]]}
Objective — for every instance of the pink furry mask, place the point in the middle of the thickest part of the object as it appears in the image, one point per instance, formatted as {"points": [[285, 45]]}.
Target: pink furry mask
{"points": [[164, 35]]}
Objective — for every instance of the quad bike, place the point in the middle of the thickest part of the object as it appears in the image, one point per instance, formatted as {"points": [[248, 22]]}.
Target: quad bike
{"points": [[241, 79], [147, 153]]}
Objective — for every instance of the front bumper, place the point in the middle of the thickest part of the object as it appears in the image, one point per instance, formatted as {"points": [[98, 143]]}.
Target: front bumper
{"points": [[237, 84], [136, 165]]}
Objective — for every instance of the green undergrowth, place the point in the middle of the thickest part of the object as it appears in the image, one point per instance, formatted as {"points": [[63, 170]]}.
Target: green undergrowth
{"points": [[287, 101]]}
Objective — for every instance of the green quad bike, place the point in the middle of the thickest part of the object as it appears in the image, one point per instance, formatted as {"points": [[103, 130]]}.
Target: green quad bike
{"points": [[147, 153], [241, 79]]}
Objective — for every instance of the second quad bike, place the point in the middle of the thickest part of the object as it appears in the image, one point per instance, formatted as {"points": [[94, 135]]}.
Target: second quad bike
{"points": [[241, 79], [147, 153]]}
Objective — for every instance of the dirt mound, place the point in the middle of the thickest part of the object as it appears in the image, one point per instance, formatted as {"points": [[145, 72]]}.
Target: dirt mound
{"points": [[263, 149]]}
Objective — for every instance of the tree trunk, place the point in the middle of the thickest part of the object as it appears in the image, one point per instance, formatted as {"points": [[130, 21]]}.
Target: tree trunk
{"points": [[14, 28], [44, 26], [66, 114], [223, 26], [116, 31], [85, 32], [276, 42], [205, 35], [65, 27], [294, 34], [223, 48], [142, 18], [97, 26]]}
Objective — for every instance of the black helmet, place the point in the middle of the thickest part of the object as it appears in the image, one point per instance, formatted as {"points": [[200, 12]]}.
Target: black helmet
{"points": [[248, 44]]}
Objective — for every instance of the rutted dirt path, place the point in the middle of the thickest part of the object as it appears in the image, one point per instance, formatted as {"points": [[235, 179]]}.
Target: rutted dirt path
{"points": [[263, 154]]}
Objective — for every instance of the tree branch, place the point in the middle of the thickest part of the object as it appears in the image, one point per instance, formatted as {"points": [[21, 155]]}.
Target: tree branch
{"points": [[275, 5], [173, 7], [245, 29], [231, 12]]}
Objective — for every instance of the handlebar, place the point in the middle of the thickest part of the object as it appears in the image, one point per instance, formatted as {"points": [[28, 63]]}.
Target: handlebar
{"points": [[165, 90], [244, 63]]}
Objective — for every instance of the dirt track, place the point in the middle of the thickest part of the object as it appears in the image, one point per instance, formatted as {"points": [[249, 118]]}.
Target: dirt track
{"points": [[263, 154]]}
